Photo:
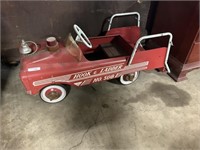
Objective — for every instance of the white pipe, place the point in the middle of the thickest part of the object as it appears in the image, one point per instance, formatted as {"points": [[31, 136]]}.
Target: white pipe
{"points": [[154, 36], [124, 14]]}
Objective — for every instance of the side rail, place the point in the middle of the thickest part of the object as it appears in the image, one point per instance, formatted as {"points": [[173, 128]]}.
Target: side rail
{"points": [[124, 14], [150, 37]]}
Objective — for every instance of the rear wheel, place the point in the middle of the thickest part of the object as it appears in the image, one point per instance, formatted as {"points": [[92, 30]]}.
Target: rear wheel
{"points": [[129, 78], [54, 93]]}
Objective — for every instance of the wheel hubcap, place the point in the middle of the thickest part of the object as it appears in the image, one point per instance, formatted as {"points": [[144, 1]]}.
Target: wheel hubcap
{"points": [[129, 77], [53, 94]]}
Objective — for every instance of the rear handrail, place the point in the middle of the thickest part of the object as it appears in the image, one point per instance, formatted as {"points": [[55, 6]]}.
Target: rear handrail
{"points": [[154, 36], [124, 14]]}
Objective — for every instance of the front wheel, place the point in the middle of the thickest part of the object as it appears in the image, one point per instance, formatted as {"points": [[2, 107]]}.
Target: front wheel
{"points": [[54, 93], [129, 78]]}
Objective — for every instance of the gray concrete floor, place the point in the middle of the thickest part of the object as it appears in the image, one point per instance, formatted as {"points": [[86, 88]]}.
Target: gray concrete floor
{"points": [[153, 113]]}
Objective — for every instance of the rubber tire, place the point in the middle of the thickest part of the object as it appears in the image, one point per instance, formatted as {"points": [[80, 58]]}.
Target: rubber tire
{"points": [[65, 88], [121, 80]]}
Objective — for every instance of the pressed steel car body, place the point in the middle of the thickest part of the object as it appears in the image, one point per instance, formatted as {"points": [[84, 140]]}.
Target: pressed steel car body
{"points": [[117, 54]]}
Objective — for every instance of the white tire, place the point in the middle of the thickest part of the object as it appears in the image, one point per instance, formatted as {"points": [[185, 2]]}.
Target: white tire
{"points": [[54, 93], [126, 82]]}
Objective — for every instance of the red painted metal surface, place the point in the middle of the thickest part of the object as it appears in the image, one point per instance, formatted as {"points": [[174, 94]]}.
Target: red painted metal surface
{"points": [[60, 67], [130, 34]]}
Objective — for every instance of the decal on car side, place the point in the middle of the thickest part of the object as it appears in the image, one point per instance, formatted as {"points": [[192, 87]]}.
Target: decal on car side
{"points": [[80, 75], [97, 72], [94, 75]]}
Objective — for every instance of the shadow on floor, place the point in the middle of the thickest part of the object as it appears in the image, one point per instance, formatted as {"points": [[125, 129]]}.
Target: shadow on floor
{"points": [[92, 109], [171, 95], [89, 104], [5, 73], [186, 142]]}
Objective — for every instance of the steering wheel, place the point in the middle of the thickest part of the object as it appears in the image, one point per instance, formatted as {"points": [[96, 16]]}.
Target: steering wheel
{"points": [[82, 37]]}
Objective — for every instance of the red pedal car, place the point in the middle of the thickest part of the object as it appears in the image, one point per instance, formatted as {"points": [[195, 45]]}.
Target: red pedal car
{"points": [[58, 65]]}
